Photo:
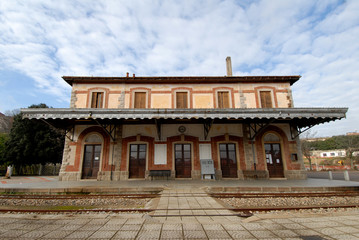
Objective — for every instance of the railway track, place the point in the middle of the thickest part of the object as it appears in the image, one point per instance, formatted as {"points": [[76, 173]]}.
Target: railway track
{"points": [[77, 196], [285, 194], [237, 211]]}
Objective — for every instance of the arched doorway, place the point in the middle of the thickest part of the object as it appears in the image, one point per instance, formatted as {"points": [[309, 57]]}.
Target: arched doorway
{"points": [[92, 156], [273, 155]]}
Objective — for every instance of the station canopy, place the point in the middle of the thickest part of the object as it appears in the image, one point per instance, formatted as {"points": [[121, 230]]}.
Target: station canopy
{"points": [[298, 118]]}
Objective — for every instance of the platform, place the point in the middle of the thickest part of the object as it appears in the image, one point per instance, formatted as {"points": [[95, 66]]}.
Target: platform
{"points": [[50, 184]]}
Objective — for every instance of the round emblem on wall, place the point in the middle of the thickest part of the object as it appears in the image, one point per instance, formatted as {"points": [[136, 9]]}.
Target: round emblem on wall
{"points": [[181, 129]]}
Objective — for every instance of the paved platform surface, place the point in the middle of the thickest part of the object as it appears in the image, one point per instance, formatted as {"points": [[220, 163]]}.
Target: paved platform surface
{"points": [[184, 211], [337, 225], [51, 184]]}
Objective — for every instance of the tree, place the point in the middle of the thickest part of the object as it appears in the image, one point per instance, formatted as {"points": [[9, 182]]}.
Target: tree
{"points": [[33, 142], [352, 145], [307, 147], [3, 139]]}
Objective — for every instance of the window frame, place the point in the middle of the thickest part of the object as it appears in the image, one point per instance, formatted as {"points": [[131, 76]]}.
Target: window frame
{"points": [[134, 99], [186, 97], [270, 92], [230, 92], [219, 102]]}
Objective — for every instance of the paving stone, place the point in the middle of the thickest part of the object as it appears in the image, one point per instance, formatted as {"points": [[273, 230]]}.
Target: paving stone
{"points": [[194, 234], [348, 229], [116, 221], [70, 227], [240, 234], [125, 235], [103, 234], [344, 236], [217, 234], [110, 227], [329, 231], [285, 233], [27, 221], [13, 233], [135, 221], [212, 227], [351, 222], [149, 234], [282, 220], [151, 226], [8, 220], [305, 232], [171, 227], [167, 234], [230, 227], [80, 234], [34, 234], [253, 226], [58, 234], [263, 234], [293, 226], [13, 226], [319, 224], [91, 227], [131, 227], [194, 227], [273, 226], [49, 227]]}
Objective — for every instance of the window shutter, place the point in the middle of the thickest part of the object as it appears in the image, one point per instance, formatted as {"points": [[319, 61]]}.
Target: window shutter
{"points": [[181, 100], [97, 100], [223, 100], [266, 99], [140, 100]]}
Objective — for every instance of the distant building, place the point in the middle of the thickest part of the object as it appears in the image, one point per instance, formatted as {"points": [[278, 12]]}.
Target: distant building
{"points": [[329, 153], [121, 128], [352, 133]]}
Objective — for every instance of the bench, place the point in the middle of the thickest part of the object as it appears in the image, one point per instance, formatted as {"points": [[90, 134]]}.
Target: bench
{"points": [[159, 173]]}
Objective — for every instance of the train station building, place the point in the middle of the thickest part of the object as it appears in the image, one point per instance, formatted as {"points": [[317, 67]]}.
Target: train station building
{"points": [[120, 128]]}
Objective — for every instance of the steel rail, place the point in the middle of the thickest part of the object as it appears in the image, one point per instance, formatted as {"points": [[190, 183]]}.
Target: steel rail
{"points": [[245, 212], [285, 194], [76, 196]]}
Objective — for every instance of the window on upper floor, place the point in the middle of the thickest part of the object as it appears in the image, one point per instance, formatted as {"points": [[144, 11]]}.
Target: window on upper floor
{"points": [[266, 99], [223, 99], [97, 100], [181, 100], [140, 100]]}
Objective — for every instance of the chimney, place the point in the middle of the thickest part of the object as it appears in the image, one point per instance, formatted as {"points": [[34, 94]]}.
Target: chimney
{"points": [[134, 75], [229, 66], [127, 74]]}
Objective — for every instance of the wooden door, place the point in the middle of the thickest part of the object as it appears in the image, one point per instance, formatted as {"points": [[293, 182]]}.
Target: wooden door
{"points": [[140, 100], [181, 100], [274, 160], [91, 162], [227, 152], [137, 163], [223, 99], [183, 164], [266, 99], [97, 100]]}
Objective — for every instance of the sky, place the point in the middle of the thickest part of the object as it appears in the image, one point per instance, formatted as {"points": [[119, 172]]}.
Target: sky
{"points": [[43, 40]]}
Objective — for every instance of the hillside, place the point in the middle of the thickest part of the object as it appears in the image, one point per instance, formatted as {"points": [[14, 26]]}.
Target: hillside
{"points": [[5, 123]]}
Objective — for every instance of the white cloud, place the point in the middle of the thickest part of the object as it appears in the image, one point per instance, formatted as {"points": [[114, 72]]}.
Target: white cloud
{"points": [[316, 39]]}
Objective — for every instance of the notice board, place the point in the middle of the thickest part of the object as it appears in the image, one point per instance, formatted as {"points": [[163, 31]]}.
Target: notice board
{"points": [[207, 166]]}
